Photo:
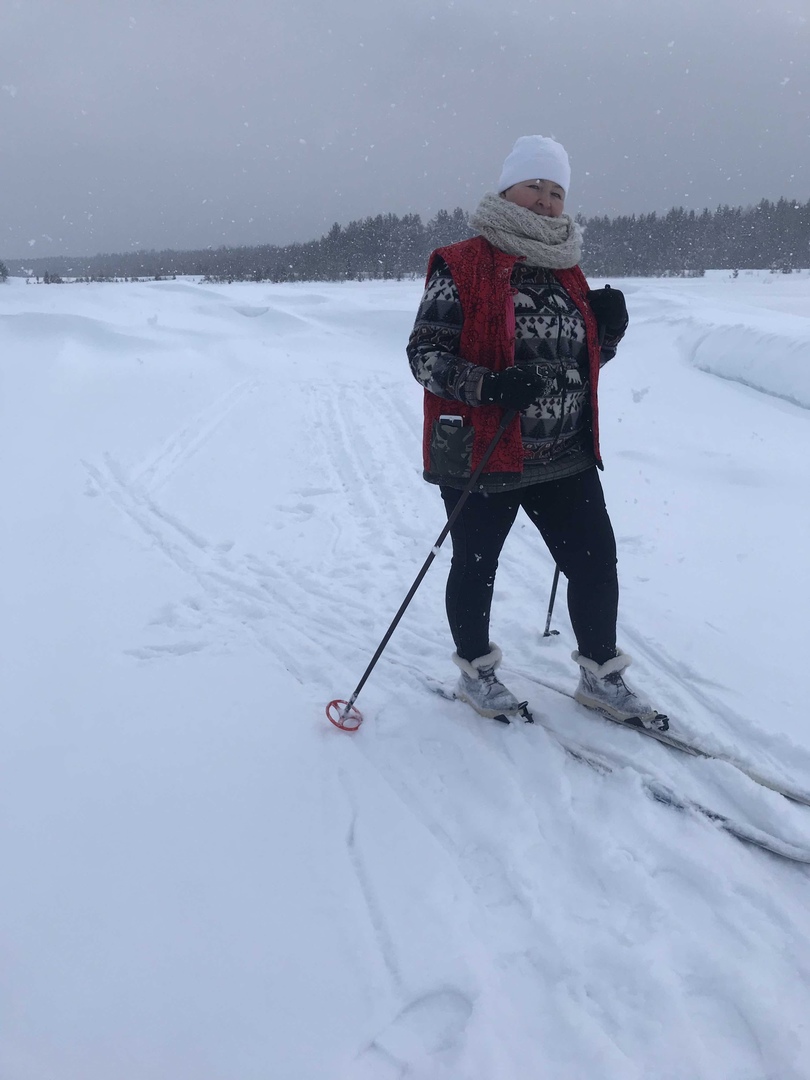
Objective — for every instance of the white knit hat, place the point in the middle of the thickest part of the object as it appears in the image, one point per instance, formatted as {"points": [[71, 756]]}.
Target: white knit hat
{"points": [[535, 157]]}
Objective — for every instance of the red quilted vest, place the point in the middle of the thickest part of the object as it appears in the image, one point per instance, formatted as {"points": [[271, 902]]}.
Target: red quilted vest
{"points": [[482, 275]]}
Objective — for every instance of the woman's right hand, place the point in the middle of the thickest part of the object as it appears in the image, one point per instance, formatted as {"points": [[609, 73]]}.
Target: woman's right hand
{"points": [[515, 388]]}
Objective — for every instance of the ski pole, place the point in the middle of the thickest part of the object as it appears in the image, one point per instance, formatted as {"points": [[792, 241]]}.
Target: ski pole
{"points": [[343, 714], [555, 582], [547, 632]]}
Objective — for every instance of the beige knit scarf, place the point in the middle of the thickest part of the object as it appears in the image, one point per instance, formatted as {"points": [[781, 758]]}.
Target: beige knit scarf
{"points": [[553, 243]]}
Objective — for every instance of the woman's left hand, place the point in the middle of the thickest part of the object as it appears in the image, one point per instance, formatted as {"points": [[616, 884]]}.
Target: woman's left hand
{"points": [[610, 309]]}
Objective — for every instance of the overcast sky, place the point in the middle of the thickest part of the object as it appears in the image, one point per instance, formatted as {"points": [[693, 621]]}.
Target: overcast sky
{"points": [[189, 123]]}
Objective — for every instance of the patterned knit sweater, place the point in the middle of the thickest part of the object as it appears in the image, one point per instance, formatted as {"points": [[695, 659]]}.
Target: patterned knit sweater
{"points": [[550, 335]]}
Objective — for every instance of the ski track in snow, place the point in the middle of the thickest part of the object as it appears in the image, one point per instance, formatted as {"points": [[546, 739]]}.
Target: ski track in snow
{"points": [[253, 596], [567, 925], [429, 1027], [180, 447], [507, 884], [228, 599]]}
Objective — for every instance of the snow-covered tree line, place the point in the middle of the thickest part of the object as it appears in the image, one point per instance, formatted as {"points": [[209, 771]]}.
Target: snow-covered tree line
{"points": [[770, 236]]}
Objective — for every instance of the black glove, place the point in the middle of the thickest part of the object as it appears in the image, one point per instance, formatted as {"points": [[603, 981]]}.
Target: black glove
{"points": [[610, 310], [515, 388]]}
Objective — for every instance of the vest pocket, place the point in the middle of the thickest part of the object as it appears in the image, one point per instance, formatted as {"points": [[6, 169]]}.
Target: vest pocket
{"points": [[451, 447]]}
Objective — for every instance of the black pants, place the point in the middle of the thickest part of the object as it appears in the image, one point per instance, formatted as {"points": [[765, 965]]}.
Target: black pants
{"points": [[573, 520]]}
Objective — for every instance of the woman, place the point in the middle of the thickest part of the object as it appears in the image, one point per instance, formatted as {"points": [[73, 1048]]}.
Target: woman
{"points": [[507, 322]]}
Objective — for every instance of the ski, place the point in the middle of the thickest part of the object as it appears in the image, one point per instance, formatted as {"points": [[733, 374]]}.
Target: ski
{"points": [[663, 794], [668, 738], [651, 786]]}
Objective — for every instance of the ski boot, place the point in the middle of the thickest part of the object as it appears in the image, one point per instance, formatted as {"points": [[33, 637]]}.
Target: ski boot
{"points": [[480, 687], [602, 687]]}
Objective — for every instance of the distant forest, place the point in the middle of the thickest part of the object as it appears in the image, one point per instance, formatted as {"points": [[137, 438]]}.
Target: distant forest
{"points": [[773, 236]]}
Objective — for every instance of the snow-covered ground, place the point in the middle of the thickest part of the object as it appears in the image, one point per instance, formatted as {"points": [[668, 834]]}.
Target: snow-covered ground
{"points": [[213, 507]]}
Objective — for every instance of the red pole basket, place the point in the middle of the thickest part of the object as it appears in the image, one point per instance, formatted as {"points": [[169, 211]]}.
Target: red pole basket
{"points": [[343, 715]]}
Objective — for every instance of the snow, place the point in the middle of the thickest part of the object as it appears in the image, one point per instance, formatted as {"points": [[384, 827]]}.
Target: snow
{"points": [[740, 341], [215, 509]]}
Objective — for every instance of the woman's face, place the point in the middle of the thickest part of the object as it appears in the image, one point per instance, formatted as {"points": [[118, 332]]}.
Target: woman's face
{"points": [[540, 196]]}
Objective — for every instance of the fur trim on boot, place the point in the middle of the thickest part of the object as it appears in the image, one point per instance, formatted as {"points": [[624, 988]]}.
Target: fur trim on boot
{"points": [[471, 667], [617, 663]]}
